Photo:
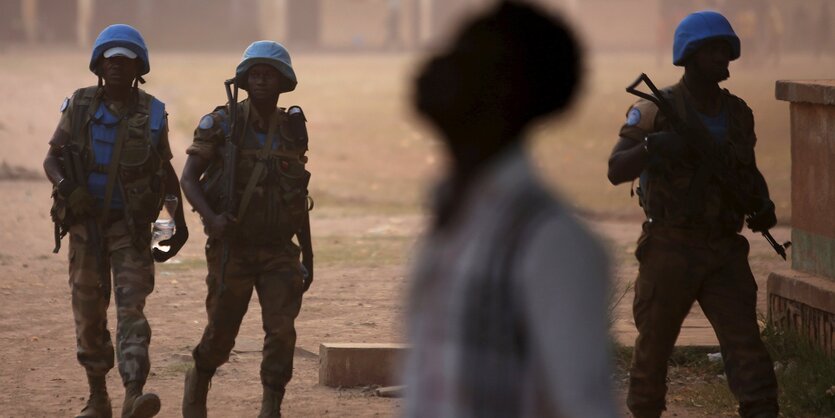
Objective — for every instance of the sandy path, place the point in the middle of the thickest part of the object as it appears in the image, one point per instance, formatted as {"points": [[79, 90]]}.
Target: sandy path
{"points": [[351, 301]]}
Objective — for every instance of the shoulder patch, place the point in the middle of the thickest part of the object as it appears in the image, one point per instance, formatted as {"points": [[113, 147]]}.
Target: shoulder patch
{"points": [[633, 117], [646, 114], [206, 122], [65, 104]]}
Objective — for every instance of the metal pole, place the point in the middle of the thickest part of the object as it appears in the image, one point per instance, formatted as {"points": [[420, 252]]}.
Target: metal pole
{"points": [[29, 15]]}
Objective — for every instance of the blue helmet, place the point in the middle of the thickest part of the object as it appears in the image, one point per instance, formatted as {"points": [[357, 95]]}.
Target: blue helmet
{"points": [[271, 53], [124, 36], [699, 27]]}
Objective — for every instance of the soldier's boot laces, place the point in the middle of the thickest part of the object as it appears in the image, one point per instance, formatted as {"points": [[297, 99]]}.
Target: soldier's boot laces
{"points": [[138, 404], [271, 402], [195, 392], [98, 404]]}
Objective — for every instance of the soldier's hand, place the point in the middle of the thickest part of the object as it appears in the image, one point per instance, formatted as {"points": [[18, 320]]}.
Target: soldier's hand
{"points": [[666, 145], [78, 199], [174, 243], [764, 219], [218, 226], [307, 272]]}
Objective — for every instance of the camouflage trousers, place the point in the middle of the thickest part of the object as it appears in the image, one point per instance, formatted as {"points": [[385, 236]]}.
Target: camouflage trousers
{"points": [[275, 273], [678, 267], [132, 280]]}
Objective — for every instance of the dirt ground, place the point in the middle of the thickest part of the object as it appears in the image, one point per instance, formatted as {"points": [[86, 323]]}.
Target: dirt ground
{"points": [[350, 301], [372, 163]]}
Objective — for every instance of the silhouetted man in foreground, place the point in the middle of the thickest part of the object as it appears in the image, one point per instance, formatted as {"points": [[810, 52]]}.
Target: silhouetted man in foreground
{"points": [[508, 304]]}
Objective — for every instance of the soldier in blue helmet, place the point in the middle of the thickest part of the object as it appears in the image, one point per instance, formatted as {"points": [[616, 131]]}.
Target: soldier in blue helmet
{"points": [[690, 249], [250, 241], [109, 160]]}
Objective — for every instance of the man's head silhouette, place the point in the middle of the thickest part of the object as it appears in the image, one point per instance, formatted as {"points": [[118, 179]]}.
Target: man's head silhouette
{"points": [[505, 68]]}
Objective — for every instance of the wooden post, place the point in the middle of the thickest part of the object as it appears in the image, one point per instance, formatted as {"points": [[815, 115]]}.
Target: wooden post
{"points": [[426, 21], [82, 22], [272, 22], [393, 23], [572, 7], [29, 15]]}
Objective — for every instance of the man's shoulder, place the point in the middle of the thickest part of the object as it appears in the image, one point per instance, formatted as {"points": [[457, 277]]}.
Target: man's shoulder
{"points": [[215, 121], [562, 241], [642, 113], [641, 119], [82, 96], [547, 214], [78, 99], [220, 112], [151, 98]]}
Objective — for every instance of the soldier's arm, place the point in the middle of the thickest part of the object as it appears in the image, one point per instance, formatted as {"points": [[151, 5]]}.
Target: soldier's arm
{"points": [[190, 183], [52, 163], [172, 186], [627, 161], [629, 157], [172, 181], [208, 138], [760, 185]]}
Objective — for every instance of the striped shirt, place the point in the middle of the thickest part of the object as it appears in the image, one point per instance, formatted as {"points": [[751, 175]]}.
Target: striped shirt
{"points": [[508, 307]]}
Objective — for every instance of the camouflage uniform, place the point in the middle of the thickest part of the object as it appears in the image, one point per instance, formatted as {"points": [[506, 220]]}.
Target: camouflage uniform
{"points": [[128, 255], [262, 254], [689, 254], [133, 279]]}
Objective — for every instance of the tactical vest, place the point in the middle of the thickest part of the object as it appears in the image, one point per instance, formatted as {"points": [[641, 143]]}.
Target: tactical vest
{"points": [[270, 179], [669, 192], [138, 187]]}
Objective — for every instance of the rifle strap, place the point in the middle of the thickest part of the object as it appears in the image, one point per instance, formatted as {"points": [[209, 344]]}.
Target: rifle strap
{"points": [[113, 169], [85, 112], [260, 165], [84, 107]]}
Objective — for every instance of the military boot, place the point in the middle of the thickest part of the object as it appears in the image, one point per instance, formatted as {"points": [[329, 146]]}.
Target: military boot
{"points": [[98, 404], [137, 404], [271, 402], [195, 392]]}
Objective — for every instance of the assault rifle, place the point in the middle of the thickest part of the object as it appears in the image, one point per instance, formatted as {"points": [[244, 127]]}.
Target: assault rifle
{"points": [[710, 158], [74, 171], [230, 157]]}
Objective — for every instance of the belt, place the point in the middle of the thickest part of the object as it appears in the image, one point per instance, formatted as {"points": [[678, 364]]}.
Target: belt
{"points": [[701, 232]]}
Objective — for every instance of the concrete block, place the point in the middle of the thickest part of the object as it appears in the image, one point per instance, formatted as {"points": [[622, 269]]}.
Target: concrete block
{"points": [[806, 91], [390, 391], [358, 364], [812, 111], [808, 289], [803, 303]]}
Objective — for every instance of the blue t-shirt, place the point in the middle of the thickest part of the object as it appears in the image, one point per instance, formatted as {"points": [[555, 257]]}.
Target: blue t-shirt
{"points": [[716, 125]]}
